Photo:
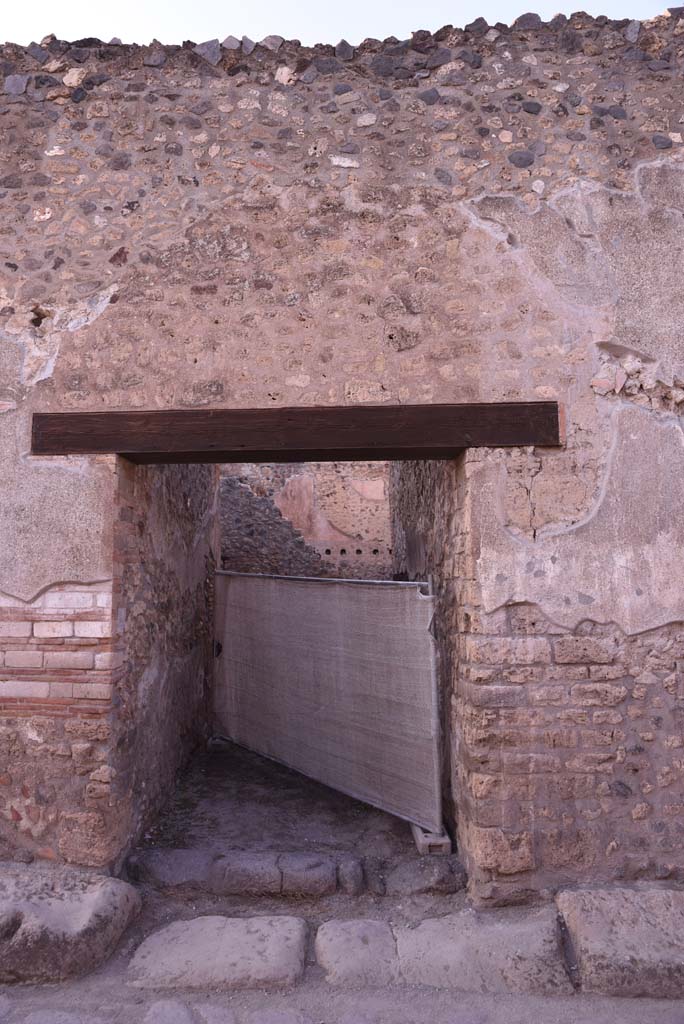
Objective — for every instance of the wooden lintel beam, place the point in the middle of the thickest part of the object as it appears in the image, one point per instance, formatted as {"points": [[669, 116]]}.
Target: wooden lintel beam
{"points": [[313, 434]]}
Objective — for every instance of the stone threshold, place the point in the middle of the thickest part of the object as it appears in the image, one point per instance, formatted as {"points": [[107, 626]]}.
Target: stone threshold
{"points": [[287, 873]]}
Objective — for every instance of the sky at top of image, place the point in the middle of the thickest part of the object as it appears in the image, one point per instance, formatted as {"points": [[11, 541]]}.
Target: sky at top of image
{"points": [[311, 21]]}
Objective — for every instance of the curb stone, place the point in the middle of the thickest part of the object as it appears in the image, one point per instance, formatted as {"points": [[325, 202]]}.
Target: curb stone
{"points": [[517, 954], [626, 942], [224, 953]]}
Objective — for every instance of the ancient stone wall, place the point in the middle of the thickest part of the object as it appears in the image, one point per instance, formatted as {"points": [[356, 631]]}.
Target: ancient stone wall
{"points": [[104, 687], [313, 519], [55, 723], [486, 214], [166, 550], [565, 737]]}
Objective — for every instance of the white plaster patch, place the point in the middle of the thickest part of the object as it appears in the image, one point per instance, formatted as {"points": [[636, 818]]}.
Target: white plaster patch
{"points": [[344, 161], [624, 562], [40, 350]]}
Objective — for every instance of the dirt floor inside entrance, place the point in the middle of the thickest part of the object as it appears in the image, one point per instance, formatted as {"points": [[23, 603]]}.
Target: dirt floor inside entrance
{"points": [[232, 799], [250, 835]]}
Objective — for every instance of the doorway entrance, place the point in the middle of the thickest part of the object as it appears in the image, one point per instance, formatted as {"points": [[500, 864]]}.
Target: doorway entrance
{"points": [[163, 648]]}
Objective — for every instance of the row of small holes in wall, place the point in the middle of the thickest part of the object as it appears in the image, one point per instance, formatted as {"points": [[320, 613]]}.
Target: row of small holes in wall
{"points": [[359, 551]]}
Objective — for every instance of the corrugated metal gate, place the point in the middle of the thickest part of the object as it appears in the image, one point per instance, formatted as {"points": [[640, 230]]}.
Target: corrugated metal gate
{"points": [[335, 678]]}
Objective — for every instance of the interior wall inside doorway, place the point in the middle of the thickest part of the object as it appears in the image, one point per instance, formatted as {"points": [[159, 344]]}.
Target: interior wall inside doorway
{"points": [[427, 503], [166, 551]]}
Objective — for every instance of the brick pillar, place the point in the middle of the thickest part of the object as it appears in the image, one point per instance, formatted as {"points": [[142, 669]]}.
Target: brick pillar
{"points": [[56, 683], [568, 745]]}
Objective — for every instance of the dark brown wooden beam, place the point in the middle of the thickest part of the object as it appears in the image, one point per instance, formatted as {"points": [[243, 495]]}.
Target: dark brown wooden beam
{"points": [[314, 434]]}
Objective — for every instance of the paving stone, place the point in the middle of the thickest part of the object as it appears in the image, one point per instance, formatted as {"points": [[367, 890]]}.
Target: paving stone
{"points": [[222, 953], [238, 873], [426, 874], [5, 1007], [60, 1017], [359, 952], [489, 953], [357, 1017], [215, 1015], [306, 874], [277, 1017], [168, 1011], [627, 942], [55, 922]]}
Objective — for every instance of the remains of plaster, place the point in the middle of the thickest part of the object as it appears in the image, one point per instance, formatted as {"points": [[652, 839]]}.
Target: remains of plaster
{"points": [[66, 500], [624, 562], [40, 344]]}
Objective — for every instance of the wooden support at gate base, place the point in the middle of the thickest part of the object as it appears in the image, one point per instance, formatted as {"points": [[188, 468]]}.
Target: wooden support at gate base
{"points": [[313, 434], [430, 842]]}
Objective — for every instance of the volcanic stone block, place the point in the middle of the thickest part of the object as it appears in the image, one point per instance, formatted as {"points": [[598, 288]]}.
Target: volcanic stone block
{"points": [[495, 953], [238, 873], [627, 943], [55, 922], [170, 867], [306, 874], [222, 953], [168, 1011], [357, 952], [426, 874], [350, 875]]}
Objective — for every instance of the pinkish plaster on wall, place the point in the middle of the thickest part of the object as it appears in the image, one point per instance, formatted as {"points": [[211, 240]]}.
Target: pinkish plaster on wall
{"points": [[623, 562]]}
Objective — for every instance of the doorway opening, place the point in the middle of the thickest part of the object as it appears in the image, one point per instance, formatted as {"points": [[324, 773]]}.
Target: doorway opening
{"points": [[168, 549], [323, 672]]}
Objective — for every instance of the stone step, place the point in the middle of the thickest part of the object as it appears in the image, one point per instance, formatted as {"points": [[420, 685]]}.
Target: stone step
{"points": [[626, 942], [494, 954], [56, 922], [467, 951], [222, 953], [240, 873]]}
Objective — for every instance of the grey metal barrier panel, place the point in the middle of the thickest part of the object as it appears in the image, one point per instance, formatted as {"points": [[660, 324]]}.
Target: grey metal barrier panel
{"points": [[336, 679]]}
